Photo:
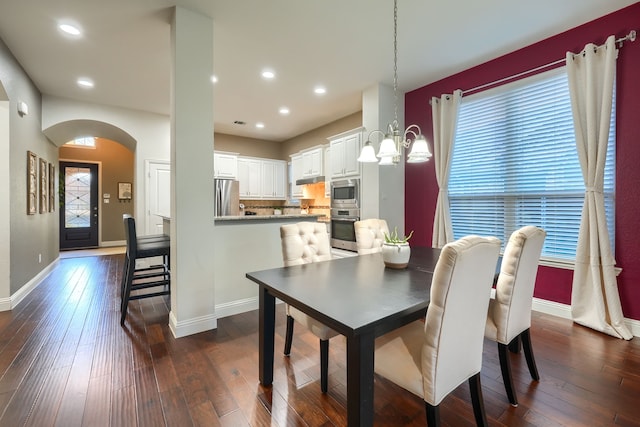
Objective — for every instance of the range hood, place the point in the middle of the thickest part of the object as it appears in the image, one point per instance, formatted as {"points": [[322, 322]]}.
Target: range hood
{"points": [[313, 180]]}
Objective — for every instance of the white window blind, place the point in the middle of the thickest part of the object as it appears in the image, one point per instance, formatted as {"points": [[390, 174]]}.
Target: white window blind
{"points": [[515, 163]]}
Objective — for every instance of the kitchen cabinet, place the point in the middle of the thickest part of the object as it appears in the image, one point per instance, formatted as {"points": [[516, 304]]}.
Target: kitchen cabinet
{"points": [[225, 165], [327, 175], [312, 164], [345, 149], [297, 170], [262, 178], [274, 183], [249, 175]]}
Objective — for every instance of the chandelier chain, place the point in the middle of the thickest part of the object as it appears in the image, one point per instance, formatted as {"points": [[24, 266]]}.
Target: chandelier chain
{"points": [[395, 59]]}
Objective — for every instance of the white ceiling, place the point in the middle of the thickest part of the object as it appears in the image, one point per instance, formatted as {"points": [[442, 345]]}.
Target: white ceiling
{"points": [[346, 45]]}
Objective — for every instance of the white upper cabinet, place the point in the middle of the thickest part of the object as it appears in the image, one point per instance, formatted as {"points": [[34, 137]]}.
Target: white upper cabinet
{"points": [[274, 182], [225, 165], [262, 178], [312, 163], [327, 174], [345, 149], [297, 170], [249, 175]]}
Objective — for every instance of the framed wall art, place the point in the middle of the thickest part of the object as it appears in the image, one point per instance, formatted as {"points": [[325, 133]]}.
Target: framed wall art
{"points": [[44, 186], [32, 183], [52, 187], [124, 190]]}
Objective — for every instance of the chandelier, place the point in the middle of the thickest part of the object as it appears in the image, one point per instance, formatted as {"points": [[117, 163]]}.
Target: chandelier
{"points": [[395, 140]]}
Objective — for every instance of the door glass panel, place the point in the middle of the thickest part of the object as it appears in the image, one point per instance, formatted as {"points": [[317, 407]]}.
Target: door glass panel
{"points": [[77, 197]]}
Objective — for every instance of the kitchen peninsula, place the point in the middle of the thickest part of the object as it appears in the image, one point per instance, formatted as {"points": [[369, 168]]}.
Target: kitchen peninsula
{"points": [[243, 244]]}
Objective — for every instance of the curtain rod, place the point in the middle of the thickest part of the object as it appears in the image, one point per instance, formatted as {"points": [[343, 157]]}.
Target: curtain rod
{"points": [[631, 37]]}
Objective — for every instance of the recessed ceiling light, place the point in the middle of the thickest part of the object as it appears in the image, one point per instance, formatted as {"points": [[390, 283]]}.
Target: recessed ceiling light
{"points": [[214, 79], [284, 111], [260, 125], [268, 74], [85, 83], [319, 90], [69, 29]]}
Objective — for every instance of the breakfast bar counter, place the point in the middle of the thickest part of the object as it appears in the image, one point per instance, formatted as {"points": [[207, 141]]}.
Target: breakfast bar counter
{"points": [[279, 218]]}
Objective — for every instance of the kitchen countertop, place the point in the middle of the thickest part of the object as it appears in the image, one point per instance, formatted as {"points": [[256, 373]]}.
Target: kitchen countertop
{"points": [[311, 217]]}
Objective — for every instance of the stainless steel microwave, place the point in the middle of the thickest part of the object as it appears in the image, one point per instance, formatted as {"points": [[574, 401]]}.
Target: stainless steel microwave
{"points": [[345, 194]]}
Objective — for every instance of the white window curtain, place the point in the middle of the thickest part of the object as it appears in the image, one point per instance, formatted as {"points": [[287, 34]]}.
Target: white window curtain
{"points": [[595, 301], [445, 119]]}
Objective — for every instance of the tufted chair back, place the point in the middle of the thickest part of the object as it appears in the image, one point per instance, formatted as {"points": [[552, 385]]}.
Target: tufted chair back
{"points": [[510, 311], [370, 235], [509, 315], [431, 359], [460, 293], [304, 242]]}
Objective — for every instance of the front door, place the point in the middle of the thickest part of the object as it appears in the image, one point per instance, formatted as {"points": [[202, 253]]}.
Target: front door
{"points": [[78, 205]]}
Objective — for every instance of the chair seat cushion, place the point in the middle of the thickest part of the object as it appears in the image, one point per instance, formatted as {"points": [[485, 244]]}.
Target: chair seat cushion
{"points": [[399, 357], [318, 329], [151, 249]]}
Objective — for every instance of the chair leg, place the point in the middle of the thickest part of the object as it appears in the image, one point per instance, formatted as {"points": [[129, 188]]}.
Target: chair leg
{"points": [[126, 293], [514, 345], [477, 400], [505, 367], [288, 336], [123, 282], [433, 415], [324, 364], [525, 337]]}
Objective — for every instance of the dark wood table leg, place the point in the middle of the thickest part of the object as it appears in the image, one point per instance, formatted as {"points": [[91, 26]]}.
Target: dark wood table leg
{"points": [[360, 356], [267, 310]]}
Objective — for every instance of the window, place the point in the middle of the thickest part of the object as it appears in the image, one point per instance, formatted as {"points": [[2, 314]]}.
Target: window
{"points": [[84, 142], [515, 163]]}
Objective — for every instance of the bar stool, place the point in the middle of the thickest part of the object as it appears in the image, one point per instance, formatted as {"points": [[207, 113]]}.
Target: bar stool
{"points": [[142, 239], [154, 276]]}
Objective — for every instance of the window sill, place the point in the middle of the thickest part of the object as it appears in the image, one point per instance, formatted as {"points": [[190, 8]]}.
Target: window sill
{"points": [[566, 265]]}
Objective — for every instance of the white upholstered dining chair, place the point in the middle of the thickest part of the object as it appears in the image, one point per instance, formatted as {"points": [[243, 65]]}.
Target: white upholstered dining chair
{"points": [[303, 243], [509, 316], [370, 235], [433, 358]]}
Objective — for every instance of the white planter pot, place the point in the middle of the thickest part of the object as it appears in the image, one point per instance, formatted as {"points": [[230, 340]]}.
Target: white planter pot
{"points": [[396, 255]]}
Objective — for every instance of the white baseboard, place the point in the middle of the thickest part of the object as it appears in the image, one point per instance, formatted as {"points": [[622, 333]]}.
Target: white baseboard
{"points": [[191, 326], [564, 311], [113, 243], [15, 299], [236, 307]]}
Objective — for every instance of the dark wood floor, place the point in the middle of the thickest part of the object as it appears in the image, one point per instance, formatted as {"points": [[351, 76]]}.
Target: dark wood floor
{"points": [[65, 361]]}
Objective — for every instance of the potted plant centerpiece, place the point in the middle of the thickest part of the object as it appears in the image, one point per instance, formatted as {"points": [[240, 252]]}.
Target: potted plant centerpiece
{"points": [[396, 250]]}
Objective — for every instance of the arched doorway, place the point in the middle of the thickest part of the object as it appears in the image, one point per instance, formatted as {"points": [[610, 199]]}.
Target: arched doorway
{"points": [[95, 182]]}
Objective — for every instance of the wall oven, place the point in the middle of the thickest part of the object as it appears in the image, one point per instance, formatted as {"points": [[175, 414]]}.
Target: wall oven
{"points": [[343, 234], [345, 211], [345, 194]]}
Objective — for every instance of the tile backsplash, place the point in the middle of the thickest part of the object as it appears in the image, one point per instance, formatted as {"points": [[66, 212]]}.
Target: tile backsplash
{"points": [[314, 202]]}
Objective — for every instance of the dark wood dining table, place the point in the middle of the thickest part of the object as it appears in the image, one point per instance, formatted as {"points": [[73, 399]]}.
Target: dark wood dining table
{"points": [[357, 297]]}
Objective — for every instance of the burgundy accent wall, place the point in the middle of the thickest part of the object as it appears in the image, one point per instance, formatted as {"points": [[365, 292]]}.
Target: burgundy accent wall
{"points": [[553, 284]]}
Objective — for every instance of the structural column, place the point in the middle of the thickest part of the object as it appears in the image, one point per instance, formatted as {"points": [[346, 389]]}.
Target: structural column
{"points": [[192, 196], [382, 186]]}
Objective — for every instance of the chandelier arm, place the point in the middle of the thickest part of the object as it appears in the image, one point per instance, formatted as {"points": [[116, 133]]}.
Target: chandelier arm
{"points": [[408, 129], [375, 131]]}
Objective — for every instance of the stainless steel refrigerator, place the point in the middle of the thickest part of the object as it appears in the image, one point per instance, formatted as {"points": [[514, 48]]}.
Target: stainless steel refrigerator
{"points": [[227, 197]]}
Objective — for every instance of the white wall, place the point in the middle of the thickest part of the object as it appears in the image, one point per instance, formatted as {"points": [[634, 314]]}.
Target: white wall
{"points": [[151, 133], [5, 194]]}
